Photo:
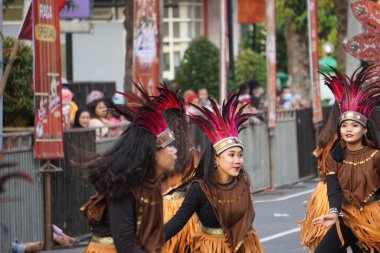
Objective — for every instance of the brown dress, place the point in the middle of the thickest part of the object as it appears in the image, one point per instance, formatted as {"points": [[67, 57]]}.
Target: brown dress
{"points": [[173, 193], [359, 179], [149, 222], [234, 211]]}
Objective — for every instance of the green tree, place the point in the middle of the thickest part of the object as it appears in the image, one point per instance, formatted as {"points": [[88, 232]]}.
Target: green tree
{"points": [[199, 67], [250, 65], [18, 94]]}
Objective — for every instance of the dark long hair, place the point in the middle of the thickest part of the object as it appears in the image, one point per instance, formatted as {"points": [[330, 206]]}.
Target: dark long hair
{"points": [[330, 128], [123, 166], [77, 116], [206, 167], [173, 118]]}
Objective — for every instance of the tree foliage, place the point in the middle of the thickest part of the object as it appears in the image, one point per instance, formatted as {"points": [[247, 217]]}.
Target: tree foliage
{"points": [[199, 67], [18, 94], [250, 64]]}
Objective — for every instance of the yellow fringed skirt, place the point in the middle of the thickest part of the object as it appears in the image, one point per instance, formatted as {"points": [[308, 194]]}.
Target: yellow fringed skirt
{"points": [[318, 205], [97, 247], [203, 242], [181, 241], [364, 224]]}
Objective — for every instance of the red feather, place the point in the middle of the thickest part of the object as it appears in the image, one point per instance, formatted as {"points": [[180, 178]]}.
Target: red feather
{"points": [[360, 93], [217, 125]]}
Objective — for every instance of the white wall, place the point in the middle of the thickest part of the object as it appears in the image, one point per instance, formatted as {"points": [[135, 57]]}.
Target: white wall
{"points": [[214, 24], [98, 56], [353, 28]]}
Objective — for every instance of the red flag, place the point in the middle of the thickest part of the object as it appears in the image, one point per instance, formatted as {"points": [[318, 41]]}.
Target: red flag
{"points": [[26, 32]]}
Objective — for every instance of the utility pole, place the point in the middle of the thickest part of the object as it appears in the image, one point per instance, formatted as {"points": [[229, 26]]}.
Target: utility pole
{"points": [[1, 73]]}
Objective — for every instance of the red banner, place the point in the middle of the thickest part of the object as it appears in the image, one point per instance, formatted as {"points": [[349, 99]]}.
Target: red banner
{"points": [[47, 80], [146, 54], [314, 65], [251, 12]]}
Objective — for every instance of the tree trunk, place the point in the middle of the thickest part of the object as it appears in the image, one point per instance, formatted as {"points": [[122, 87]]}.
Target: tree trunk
{"points": [[128, 26], [341, 11], [298, 59]]}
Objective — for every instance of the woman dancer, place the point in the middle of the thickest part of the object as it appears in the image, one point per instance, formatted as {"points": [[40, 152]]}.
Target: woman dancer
{"points": [[353, 168], [220, 193]]}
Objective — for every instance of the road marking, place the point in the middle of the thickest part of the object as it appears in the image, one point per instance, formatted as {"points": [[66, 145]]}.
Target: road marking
{"points": [[275, 236], [285, 198]]}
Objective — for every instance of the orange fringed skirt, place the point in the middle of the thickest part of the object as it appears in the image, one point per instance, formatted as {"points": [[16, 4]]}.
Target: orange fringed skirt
{"points": [[364, 224], [203, 242], [318, 205], [95, 247], [181, 241]]}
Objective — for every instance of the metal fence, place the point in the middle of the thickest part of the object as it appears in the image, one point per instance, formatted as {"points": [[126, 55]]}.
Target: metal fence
{"points": [[22, 214]]}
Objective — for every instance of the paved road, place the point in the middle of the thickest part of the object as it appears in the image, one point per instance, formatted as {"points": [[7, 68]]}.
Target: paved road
{"points": [[276, 216]]}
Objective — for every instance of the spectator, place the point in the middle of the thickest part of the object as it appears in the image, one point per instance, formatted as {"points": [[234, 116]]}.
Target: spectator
{"points": [[94, 95], [286, 98], [69, 108], [192, 98], [244, 93], [98, 112], [82, 118], [29, 247], [255, 92], [187, 93], [203, 98], [298, 102]]}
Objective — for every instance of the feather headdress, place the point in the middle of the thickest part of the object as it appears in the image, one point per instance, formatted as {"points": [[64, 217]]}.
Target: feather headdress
{"points": [[356, 96], [222, 129], [169, 99], [144, 113]]}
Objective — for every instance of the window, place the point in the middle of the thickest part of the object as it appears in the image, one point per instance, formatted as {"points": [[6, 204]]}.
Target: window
{"points": [[182, 22]]}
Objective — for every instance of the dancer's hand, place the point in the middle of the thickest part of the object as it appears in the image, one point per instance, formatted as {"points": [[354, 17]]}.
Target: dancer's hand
{"points": [[325, 221]]}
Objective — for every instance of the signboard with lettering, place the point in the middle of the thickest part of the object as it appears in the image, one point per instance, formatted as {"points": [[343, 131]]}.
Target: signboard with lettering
{"points": [[76, 9], [146, 44], [47, 80]]}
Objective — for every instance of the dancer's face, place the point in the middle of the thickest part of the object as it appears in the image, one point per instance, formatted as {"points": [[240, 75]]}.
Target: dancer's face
{"points": [[230, 161], [351, 131], [165, 159]]}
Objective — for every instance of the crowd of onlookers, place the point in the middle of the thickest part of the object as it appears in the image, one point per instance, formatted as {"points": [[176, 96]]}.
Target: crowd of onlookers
{"points": [[98, 115]]}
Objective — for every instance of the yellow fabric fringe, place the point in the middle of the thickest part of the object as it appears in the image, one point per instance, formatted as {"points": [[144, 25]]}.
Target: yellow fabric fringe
{"points": [[94, 247], [181, 241], [364, 224], [203, 243], [318, 205]]}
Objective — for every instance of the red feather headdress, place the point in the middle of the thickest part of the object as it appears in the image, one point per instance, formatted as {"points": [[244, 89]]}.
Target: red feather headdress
{"points": [[356, 96], [222, 129], [169, 99], [145, 114]]}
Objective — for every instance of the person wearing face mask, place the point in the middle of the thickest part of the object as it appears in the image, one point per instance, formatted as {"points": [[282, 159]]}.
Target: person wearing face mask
{"points": [[128, 176], [203, 98], [220, 192], [353, 168]]}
